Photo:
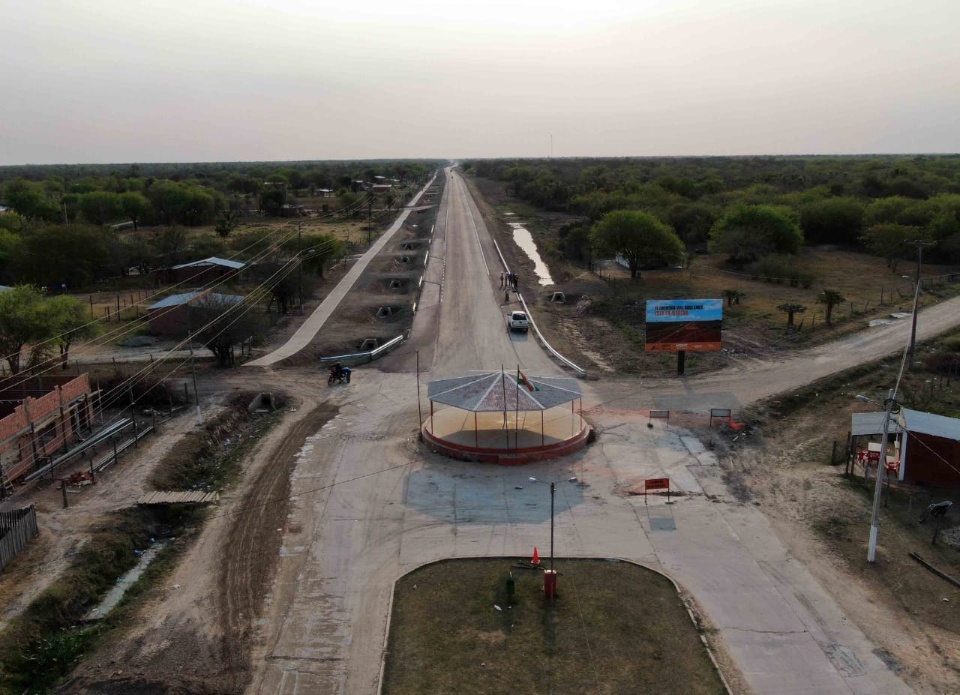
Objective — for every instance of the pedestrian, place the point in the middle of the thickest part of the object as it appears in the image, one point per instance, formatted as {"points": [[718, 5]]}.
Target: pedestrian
{"points": [[501, 280], [514, 281]]}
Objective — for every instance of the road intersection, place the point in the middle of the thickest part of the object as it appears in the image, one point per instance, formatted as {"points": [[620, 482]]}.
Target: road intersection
{"points": [[370, 503]]}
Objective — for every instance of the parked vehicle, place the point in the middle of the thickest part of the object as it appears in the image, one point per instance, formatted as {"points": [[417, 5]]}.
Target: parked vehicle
{"points": [[518, 321], [339, 375]]}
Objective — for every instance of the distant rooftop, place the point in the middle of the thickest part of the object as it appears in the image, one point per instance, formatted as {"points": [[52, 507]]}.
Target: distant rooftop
{"points": [[187, 297], [213, 260]]}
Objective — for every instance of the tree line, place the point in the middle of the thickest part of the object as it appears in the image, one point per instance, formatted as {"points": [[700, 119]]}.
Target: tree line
{"points": [[184, 194], [750, 207]]}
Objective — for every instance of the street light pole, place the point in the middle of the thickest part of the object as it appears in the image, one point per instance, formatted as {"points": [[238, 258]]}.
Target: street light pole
{"points": [[193, 368], [878, 488]]}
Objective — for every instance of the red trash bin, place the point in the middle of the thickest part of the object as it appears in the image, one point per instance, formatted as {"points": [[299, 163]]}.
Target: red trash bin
{"points": [[550, 583]]}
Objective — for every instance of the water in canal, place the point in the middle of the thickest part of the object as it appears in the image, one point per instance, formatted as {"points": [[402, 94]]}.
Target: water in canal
{"points": [[525, 241]]}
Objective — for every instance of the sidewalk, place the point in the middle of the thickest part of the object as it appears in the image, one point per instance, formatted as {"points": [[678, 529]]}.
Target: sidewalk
{"points": [[313, 323]]}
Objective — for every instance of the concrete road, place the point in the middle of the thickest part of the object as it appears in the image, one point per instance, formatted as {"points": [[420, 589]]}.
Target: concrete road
{"points": [[370, 504]]}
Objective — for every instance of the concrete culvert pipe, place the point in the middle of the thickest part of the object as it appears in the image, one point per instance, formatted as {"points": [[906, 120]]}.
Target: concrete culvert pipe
{"points": [[369, 344], [384, 311], [262, 403]]}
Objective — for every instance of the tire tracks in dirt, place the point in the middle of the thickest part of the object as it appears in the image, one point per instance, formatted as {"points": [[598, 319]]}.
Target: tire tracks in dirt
{"points": [[249, 556]]}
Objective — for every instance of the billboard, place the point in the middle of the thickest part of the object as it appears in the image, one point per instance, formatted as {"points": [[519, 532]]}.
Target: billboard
{"points": [[684, 324]]}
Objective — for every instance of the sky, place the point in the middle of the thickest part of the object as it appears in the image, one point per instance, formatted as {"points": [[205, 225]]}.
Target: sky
{"points": [[87, 81]]}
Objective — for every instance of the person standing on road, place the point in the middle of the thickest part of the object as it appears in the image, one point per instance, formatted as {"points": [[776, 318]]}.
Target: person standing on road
{"points": [[501, 280]]}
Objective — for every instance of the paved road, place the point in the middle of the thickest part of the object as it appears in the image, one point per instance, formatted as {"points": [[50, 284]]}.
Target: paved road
{"points": [[370, 504]]}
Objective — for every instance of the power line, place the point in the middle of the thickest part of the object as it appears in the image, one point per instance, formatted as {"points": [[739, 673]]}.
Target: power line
{"points": [[273, 246]]}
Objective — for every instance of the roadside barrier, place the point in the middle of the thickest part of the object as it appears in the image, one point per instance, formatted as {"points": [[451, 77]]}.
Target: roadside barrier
{"points": [[536, 331]]}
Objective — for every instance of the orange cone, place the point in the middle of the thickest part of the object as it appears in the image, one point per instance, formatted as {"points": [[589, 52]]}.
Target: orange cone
{"points": [[536, 557]]}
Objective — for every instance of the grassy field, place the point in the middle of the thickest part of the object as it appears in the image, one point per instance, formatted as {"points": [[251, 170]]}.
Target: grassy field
{"points": [[614, 628]]}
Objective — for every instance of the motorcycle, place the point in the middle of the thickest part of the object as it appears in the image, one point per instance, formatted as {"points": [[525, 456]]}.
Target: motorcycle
{"points": [[344, 377]]}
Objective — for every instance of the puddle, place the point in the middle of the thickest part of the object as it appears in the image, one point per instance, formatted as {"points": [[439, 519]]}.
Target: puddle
{"points": [[525, 241], [113, 596]]}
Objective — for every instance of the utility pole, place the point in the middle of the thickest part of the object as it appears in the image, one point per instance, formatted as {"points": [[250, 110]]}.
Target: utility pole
{"points": [[878, 488], [920, 243], [193, 367], [300, 265], [369, 218]]}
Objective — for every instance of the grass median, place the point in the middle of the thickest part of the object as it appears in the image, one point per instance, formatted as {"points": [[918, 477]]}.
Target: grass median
{"points": [[614, 627]]}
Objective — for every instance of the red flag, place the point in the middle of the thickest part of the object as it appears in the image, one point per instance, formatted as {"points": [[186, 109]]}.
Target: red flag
{"points": [[525, 381]]}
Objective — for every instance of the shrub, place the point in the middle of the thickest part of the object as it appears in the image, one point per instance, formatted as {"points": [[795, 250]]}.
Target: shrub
{"points": [[943, 363]]}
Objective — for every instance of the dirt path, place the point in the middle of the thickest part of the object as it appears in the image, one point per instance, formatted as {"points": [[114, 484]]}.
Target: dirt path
{"points": [[253, 543]]}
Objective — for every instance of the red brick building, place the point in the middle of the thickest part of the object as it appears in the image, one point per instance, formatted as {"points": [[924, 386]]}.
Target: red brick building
{"points": [[929, 448], [39, 417], [170, 316]]}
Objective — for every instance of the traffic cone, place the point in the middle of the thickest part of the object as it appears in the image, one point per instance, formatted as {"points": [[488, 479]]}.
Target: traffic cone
{"points": [[536, 557]]}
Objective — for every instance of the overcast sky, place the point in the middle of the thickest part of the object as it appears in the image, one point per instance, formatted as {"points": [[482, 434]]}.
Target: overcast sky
{"points": [[228, 80]]}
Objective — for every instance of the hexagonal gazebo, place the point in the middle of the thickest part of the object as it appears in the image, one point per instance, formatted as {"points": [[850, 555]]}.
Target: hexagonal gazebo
{"points": [[505, 418]]}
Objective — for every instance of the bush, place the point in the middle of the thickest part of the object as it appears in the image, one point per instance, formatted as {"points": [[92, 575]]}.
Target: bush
{"points": [[943, 363]]}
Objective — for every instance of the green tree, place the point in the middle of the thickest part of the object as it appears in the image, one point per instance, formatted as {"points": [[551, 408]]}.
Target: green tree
{"points": [[791, 309], [135, 206], [70, 321], [832, 221], [273, 195], [11, 254], [830, 299], [22, 321], [639, 237], [889, 241], [29, 201], [170, 243], [71, 254], [224, 323], [747, 232], [316, 251], [100, 207]]}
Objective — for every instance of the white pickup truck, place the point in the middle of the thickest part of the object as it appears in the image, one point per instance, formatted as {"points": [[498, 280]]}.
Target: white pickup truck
{"points": [[518, 321]]}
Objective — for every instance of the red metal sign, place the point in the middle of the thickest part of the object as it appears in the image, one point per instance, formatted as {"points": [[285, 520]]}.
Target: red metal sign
{"points": [[657, 484]]}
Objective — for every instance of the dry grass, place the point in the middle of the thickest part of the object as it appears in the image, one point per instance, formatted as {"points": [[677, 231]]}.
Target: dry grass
{"points": [[862, 279], [615, 628]]}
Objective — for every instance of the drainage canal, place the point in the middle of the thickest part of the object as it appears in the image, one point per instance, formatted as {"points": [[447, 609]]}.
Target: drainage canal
{"points": [[525, 241]]}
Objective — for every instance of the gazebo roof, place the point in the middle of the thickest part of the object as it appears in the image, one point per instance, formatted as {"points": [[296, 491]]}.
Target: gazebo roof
{"points": [[499, 391]]}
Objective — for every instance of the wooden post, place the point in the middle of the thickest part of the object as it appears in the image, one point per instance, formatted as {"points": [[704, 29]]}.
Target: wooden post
{"points": [[63, 489]]}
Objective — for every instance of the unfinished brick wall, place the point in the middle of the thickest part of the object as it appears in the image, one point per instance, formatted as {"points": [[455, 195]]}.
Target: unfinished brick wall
{"points": [[19, 446]]}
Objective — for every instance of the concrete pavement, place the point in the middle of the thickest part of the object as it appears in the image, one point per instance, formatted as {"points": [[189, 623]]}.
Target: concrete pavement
{"points": [[373, 504]]}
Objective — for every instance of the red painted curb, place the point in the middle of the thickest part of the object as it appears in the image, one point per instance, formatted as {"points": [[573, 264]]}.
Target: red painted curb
{"points": [[506, 457]]}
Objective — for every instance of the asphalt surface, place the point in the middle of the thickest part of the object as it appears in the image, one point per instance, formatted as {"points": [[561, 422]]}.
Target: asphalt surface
{"points": [[370, 503]]}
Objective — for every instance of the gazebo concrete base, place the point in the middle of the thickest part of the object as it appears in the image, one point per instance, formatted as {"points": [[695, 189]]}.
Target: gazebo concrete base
{"points": [[523, 438]]}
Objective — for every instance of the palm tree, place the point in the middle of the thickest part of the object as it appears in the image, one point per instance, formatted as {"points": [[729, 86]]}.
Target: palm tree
{"points": [[830, 299], [791, 309]]}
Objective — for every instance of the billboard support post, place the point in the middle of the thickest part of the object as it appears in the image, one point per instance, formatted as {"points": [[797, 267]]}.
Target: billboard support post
{"points": [[681, 361]]}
